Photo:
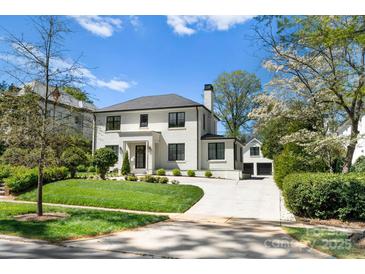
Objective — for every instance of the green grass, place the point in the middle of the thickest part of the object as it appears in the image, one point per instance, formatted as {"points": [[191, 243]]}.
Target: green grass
{"points": [[331, 242], [81, 223], [120, 194]]}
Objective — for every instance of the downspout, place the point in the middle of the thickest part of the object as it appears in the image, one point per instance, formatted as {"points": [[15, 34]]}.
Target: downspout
{"points": [[197, 138], [234, 154], [94, 134]]}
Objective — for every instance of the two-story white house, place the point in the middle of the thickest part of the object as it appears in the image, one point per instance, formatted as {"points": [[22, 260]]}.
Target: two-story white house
{"points": [[255, 163], [168, 131], [64, 108], [345, 130]]}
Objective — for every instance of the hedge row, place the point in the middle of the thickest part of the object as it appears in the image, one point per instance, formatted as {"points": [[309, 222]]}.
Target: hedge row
{"points": [[18, 179], [326, 195]]}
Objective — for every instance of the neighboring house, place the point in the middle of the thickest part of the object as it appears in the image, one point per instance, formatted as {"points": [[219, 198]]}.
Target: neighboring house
{"points": [[254, 162], [345, 130], [168, 131], [66, 109]]}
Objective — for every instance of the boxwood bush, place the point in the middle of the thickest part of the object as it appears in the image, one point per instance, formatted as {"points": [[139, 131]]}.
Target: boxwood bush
{"points": [[326, 195], [160, 172], [191, 173], [22, 178], [176, 172]]}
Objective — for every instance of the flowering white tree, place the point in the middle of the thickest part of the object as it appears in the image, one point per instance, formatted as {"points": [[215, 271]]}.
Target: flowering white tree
{"points": [[320, 59]]}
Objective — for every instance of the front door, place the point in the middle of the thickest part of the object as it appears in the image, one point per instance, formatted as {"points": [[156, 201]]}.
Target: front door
{"points": [[140, 156]]}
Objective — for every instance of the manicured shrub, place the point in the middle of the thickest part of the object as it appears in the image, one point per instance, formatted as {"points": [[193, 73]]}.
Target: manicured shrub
{"points": [[104, 158], [126, 166], [131, 177], [161, 172], [5, 172], [162, 180], [149, 179], [91, 169], [290, 162], [81, 168], [191, 173], [325, 195], [208, 174], [359, 165], [52, 174], [21, 179], [72, 158], [176, 172]]}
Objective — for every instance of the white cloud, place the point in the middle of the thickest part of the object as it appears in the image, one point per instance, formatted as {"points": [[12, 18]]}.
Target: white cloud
{"points": [[188, 24], [135, 22], [60, 65], [99, 25]]}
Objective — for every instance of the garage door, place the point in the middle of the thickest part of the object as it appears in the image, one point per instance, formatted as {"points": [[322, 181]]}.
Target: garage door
{"points": [[248, 168], [264, 169]]}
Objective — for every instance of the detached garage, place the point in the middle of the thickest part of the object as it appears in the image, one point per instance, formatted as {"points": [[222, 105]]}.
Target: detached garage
{"points": [[254, 163], [264, 168]]}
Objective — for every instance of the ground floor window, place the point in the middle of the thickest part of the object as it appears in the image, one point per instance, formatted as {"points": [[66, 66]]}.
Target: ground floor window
{"points": [[216, 151], [115, 149], [176, 152]]}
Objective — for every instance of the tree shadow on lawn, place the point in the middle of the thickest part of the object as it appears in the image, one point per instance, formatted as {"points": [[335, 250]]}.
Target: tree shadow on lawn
{"points": [[80, 224]]}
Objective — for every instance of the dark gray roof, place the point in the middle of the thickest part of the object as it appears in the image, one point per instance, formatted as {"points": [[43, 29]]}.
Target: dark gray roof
{"points": [[152, 102]]}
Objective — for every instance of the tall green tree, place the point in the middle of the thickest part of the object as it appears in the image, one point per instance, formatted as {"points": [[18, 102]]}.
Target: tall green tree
{"points": [[320, 59], [234, 94], [41, 59]]}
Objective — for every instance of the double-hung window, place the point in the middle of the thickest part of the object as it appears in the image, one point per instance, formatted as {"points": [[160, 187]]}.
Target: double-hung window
{"points": [[254, 151], [216, 151], [176, 119], [143, 120], [113, 123], [176, 152]]}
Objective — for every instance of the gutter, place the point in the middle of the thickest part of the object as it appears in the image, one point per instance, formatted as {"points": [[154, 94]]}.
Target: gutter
{"points": [[197, 138], [94, 135]]}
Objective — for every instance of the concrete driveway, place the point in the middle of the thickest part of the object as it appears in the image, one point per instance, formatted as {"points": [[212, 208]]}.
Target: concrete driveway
{"points": [[256, 198], [232, 220]]}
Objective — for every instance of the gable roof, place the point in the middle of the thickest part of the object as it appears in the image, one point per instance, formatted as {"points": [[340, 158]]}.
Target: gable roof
{"points": [[252, 140], [152, 102]]}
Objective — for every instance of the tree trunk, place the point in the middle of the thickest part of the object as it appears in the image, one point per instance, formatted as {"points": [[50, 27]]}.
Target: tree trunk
{"points": [[40, 189], [351, 146]]}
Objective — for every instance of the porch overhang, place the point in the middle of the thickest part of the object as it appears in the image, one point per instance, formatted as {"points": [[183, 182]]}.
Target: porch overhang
{"points": [[140, 136]]}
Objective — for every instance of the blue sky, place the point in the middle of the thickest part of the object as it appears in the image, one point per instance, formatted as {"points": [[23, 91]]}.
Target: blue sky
{"points": [[129, 57]]}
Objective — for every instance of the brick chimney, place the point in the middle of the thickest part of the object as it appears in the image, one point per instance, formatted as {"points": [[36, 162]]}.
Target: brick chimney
{"points": [[208, 96]]}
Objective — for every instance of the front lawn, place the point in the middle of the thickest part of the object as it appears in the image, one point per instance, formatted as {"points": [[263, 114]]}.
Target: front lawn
{"points": [[331, 242], [120, 194], [81, 223]]}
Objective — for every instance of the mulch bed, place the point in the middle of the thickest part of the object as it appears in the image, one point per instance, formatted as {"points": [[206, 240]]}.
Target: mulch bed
{"points": [[333, 222], [45, 217]]}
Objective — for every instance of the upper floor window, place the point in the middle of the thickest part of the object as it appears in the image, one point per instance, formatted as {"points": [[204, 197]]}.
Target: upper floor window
{"points": [[216, 151], [254, 151], [204, 121], [176, 119], [115, 149], [241, 154], [176, 152], [143, 120], [235, 152], [113, 123]]}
